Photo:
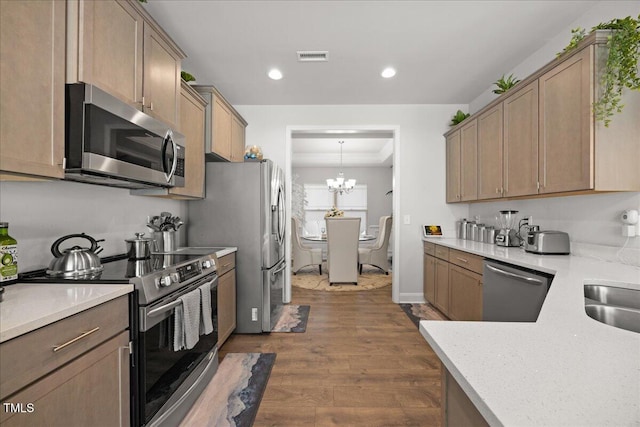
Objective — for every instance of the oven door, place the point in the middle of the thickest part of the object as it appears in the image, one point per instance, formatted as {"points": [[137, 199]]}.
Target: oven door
{"points": [[170, 381]]}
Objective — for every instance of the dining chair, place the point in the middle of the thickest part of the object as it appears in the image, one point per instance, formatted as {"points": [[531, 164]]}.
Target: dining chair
{"points": [[303, 255], [376, 255], [342, 249]]}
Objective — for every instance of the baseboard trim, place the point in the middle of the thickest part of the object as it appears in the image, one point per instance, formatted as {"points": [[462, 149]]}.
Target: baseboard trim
{"points": [[412, 298]]}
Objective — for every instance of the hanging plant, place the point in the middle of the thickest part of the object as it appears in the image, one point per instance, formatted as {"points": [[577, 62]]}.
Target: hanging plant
{"points": [[458, 117], [504, 84], [621, 69]]}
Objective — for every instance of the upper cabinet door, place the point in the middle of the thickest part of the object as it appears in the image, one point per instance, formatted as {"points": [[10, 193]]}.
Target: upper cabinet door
{"points": [[221, 141], [32, 48], [109, 49], [520, 169], [490, 153], [453, 167], [161, 78], [469, 161], [566, 125]]}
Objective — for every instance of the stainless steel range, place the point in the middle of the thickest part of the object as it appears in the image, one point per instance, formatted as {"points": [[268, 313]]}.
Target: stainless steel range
{"points": [[166, 381]]}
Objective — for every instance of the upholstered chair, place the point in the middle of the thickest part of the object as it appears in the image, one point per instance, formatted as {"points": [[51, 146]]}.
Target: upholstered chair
{"points": [[376, 255], [303, 255], [342, 249]]}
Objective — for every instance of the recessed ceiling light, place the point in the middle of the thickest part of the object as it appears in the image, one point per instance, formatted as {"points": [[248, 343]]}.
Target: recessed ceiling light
{"points": [[388, 72], [275, 74]]}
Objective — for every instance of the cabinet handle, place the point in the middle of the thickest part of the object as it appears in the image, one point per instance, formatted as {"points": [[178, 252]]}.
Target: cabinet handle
{"points": [[78, 338], [497, 190], [226, 265], [150, 106], [462, 259]]}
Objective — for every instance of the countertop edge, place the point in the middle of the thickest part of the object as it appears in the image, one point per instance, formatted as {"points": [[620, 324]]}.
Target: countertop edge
{"points": [[226, 251], [21, 329]]}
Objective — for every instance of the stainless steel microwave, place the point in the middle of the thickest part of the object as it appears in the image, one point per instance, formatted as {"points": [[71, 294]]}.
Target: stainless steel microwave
{"points": [[109, 142]]}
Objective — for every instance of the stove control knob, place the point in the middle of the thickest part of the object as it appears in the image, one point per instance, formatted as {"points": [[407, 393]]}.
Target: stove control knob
{"points": [[175, 277], [164, 281], [206, 264]]}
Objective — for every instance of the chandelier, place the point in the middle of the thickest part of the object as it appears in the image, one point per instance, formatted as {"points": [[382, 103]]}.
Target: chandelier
{"points": [[340, 185]]}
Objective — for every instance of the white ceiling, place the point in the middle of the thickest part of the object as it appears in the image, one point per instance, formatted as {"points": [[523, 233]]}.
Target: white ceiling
{"points": [[445, 52]]}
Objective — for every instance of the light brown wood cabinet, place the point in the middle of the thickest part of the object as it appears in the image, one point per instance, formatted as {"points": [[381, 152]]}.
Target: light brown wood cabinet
{"points": [[429, 278], [453, 167], [462, 163], [117, 46], [457, 409], [547, 135], [441, 301], [465, 294], [83, 381], [490, 153], [452, 281], [224, 128], [520, 145], [226, 297], [32, 47]]}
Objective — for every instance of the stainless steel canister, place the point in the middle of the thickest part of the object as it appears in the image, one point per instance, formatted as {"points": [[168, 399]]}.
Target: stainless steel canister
{"points": [[169, 240], [490, 235], [461, 229], [472, 230], [480, 233]]}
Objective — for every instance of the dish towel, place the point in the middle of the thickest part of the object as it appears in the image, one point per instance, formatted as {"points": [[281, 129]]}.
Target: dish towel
{"points": [[206, 324], [186, 318]]}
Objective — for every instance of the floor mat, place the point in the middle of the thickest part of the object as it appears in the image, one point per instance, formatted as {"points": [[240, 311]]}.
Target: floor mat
{"points": [[371, 278], [418, 312], [292, 318], [233, 396]]}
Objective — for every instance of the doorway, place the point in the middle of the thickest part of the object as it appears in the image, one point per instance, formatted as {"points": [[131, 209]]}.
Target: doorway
{"points": [[328, 137]]}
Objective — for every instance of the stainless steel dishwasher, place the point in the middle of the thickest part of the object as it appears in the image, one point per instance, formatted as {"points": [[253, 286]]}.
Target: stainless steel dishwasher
{"points": [[511, 294]]}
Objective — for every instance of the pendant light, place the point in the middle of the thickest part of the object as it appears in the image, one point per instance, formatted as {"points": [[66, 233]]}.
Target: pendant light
{"points": [[339, 184]]}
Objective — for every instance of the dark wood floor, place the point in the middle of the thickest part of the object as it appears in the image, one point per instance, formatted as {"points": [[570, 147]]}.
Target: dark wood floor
{"points": [[361, 362]]}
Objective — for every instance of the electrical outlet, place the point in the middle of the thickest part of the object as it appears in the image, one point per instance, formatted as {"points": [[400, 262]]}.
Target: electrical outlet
{"points": [[254, 314], [407, 220]]}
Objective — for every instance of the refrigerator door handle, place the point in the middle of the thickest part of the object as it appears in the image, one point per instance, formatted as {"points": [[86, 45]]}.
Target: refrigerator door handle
{"points": [[279, 269]]}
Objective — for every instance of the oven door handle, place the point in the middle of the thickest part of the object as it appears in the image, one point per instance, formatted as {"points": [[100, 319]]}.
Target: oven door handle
{"points": [[164, 308]]}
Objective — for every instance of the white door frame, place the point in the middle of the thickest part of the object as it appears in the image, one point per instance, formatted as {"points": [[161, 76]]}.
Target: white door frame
{"points": [[395, 176]]}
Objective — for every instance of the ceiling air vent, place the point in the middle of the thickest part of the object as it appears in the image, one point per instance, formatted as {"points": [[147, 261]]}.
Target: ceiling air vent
{"points": [[313, 55]]}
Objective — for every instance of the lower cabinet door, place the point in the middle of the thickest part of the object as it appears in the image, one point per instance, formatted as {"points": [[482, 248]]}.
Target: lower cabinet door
{"points": [[465, 290], [442, 286], [429, 279], [226, 305], [92, 390]]}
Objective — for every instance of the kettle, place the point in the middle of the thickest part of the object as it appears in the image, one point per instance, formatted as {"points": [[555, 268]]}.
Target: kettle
{"points": [[75, 261]]}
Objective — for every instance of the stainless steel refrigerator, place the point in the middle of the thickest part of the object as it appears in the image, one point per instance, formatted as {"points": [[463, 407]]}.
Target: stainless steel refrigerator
{"points": [[245, 207]]}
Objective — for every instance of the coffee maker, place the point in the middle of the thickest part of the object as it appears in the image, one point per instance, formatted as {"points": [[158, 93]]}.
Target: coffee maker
{"points": [[508, 234]]}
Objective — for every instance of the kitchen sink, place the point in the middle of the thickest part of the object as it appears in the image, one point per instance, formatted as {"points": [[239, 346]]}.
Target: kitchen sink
{"points": [[610, 295], [619, 317]]}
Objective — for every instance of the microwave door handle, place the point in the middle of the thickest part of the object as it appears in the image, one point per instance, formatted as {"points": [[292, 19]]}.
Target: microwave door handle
{"points": [[169, 138]]}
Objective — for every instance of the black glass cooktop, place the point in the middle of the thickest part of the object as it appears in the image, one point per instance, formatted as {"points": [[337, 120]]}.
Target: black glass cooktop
{"points": [[117, 269]]}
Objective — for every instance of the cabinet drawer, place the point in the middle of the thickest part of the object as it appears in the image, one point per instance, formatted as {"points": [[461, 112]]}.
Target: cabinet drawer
{"points": [[226, 263], [442, 252], [26, 358], [466, 260], [430, 248]]}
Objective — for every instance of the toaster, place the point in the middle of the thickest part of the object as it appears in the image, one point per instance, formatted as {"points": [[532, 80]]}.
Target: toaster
{"points": [[547, 242]]}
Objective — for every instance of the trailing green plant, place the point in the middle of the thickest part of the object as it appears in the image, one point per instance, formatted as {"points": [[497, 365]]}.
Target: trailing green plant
{"points": [[187, 77], [577, 34], [504, 84], [142, 1], [621, 68], [458, 117]]}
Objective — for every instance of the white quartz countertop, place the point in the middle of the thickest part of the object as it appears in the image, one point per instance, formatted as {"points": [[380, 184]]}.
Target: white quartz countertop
{"points": [[29, 306], [226, 251], [566, 369]]}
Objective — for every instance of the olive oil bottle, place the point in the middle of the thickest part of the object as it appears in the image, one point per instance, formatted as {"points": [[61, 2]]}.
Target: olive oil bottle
{"points": [[8, 255]]}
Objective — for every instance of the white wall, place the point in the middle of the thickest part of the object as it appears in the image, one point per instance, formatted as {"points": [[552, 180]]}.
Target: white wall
{"points": [[420, 168], [602, 11], [41, 212], [588, 219]]}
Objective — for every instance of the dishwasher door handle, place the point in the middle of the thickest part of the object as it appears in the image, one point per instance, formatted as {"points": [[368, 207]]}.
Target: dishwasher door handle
{"points": [[531, 280]]}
